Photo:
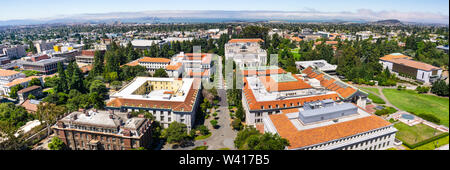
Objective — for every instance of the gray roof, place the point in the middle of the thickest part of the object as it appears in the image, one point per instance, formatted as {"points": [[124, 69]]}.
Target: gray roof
{"points": [[327, 110]]}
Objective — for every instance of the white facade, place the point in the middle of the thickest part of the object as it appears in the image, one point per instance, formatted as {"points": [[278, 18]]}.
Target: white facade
{"points": [[246, 54]]}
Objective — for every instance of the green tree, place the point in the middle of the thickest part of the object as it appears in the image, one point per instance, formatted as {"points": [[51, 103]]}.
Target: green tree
{"points": [[49, 113], [160, 73], [252, 139], [76, 80], [56, 144], [214, 123], [61, 86], [176, 133], [14, 90]]}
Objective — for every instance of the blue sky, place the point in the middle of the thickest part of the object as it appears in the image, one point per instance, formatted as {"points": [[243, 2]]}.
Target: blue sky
{"points": [[32, 9]]}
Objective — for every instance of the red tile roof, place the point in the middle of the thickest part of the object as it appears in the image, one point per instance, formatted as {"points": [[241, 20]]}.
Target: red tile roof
{"points": [[302, 138], [4, 73], [185, 106], [264, 72], [272, 86], [330, 83], [154, 60], [29, 107], [391, 57], [174, 67], [246, 40], [296, 102], [414, 64]]}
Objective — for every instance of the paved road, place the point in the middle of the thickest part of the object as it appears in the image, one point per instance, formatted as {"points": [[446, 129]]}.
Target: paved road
{"points": [[223, 137]]}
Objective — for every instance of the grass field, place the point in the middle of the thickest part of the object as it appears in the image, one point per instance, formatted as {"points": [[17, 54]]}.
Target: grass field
{"points": [[373, 97], [371, 90], [433, 145], [411, 101], [376, 99], [414, 134]]}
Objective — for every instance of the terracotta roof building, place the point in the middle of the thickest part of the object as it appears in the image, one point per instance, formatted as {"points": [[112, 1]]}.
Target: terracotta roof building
{"points": [[168, 99], [270, 94], [331, 126], [403, 64]]}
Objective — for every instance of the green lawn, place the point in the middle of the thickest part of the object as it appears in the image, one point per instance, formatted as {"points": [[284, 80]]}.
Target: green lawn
{"points": [[203, 137], [433, 145], [376, 99], [371, 90], [414, 134], [201, 148], [373, 97], [411, 101]]}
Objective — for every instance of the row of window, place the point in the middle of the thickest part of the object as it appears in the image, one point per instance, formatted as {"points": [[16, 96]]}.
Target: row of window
{"points": [[357, 136]]}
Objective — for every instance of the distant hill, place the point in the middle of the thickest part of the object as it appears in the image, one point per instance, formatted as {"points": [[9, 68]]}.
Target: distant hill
{"points": [[388, 22]]}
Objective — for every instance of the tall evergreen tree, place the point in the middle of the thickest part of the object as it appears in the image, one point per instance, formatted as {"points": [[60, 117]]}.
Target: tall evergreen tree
{"points": [[61, 86]]}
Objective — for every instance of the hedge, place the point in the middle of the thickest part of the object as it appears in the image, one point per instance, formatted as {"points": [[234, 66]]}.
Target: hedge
{"points": [[430, 118], [412, 146]]}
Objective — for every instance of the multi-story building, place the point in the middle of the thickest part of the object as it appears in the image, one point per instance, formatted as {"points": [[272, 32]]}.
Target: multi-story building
{"points": [[168, 99], [42, 46], [7, 76], [153, 64], [45, 66], [271, 93], [403, 64], [327, 125], [6, 89], [102, 130], [16, 51], [86, 57], [321, 65], [246, 52], [195, 65]]}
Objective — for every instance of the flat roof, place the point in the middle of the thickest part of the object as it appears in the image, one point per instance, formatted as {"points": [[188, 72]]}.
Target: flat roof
{"points": [[157, 95]]}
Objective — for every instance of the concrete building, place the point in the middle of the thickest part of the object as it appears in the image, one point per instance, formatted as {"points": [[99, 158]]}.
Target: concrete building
{"points": [[399, 63], [270, 94], [195, 65], [23, 94], [144, 44], [45, 66], [6, 89], [246, 52], [42, 46], [6, 77], [321, 65], [86, 57], [14, 52], [327, 125], [102, 130], [153, 64], [168, 99]]}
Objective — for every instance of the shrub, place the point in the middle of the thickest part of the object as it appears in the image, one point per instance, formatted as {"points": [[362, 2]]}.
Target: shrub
{"points": [[214, 123], [215, 114], [382, 112], [237, 124], [412, 146], [203, 130], [430, 117]]}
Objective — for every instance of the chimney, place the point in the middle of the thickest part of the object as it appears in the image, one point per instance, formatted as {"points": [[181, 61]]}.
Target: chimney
{"points": [[75, 116], [111, 116], [128, 115]]}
